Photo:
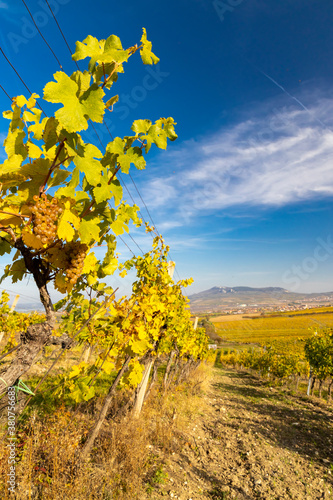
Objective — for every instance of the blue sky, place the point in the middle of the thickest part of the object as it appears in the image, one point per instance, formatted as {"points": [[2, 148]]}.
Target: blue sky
{"points": [[244, 196]]}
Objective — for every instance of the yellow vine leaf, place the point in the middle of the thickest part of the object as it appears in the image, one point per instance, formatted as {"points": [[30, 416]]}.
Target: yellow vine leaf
{"points": [[31, 241], [139, 346], [134, 375], [141, 330], [108, 367], [20, 101], [111, 266], [60, 283], [65, 230], [91, 280], [34, 151], [89, 263], [10, 220]]}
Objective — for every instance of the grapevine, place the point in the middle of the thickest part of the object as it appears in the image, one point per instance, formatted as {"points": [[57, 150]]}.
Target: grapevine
{"points": [[319, 354], [59, 197]]}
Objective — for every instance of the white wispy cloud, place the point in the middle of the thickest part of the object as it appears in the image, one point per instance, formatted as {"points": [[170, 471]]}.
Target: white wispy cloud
{"points": [[166, 225], [255, 273], [273, 159]]}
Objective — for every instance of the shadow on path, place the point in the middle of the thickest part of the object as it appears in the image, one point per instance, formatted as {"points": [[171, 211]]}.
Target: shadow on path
{"points": [[290, 421]]}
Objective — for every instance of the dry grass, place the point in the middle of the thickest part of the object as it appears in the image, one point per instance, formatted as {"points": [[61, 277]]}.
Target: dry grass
{"points": [[127, 458]]}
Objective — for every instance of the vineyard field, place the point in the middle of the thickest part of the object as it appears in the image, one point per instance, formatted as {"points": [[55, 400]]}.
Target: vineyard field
{"points": [[282, 329]]}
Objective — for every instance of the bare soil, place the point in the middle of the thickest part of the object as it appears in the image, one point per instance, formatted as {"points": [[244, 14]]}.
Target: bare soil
{"points": [[250, 441]]}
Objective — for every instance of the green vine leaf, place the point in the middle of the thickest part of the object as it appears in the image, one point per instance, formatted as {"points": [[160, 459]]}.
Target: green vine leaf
{"points": [[67, 224], [147, 56], [89, 230], [103, 51], [14, 144], [77, 109], [89, 165]]}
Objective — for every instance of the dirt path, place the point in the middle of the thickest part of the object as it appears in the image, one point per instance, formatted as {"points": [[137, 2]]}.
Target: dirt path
{"points": [[252, 442]]}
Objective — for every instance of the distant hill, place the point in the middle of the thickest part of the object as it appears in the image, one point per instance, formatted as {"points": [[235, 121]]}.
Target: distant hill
{"points": [[223, 297]]}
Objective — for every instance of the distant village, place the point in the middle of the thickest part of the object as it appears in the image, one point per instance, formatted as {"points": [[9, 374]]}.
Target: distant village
{"points": [[313, 302]]}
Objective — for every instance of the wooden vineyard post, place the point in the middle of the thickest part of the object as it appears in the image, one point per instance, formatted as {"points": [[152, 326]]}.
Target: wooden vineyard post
{"points": [[87, 353], [167, 370], [142, 388], [171, 268], [14, 303], [99, 422], [297, 377], [153, 377], [309, 384]]}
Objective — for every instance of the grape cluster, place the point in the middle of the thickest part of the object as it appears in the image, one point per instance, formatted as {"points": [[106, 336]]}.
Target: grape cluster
{"points": [[75, 255], [45, 216]]}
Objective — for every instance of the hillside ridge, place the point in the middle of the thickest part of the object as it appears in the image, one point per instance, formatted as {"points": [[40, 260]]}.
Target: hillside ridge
{"points": [[227, 298]]}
